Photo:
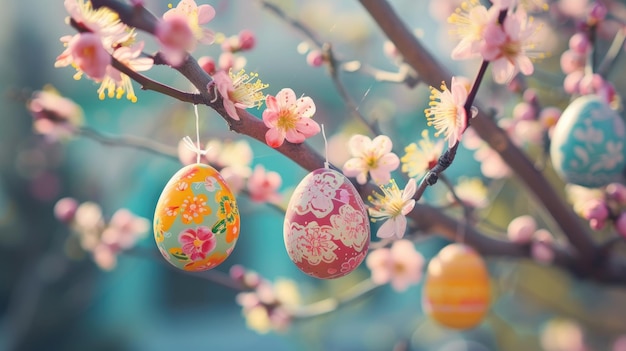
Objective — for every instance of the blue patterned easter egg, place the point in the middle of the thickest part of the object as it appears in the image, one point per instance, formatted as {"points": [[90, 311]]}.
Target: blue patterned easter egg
{"points": [[587, 145], [196, 221]]}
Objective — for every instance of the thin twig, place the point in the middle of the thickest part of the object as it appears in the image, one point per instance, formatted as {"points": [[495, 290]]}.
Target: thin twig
{"points": [[332, 303], [129, 141]]}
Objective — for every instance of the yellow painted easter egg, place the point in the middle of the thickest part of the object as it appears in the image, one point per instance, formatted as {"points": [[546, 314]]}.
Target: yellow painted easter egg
{"points": [[456, 292], [196, 221]]}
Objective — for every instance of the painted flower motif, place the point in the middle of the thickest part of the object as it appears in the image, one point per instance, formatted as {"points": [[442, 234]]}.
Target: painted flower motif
{"points": [[470, 21], [288, 117], [116, 83], [508, 46], [421, 157], [393, 205], [352, 263], [314, 242], [194, 209], [197, 243], [349, 226], [263, 185], [318, 198], [240, 90], [211, 261], [371, 156], [401, 265], [447, 110], [210, 184], [228, 213]]}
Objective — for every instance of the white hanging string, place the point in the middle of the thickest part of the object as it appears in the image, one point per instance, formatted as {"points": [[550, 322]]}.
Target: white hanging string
{"points": [[195, 147], [326, 164]]}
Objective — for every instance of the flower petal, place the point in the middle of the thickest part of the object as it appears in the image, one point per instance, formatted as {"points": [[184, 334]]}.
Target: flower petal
{"points": [[308, 127], [286, 98], [382, 144], [359, 144], [399, 226], [205, 13], [274, 137], [305, 107], [387, 230]]}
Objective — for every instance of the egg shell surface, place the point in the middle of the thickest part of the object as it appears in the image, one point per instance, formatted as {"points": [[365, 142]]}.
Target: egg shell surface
{"points": [[457, 292], [587, 146], [196, 220], [326, 228]]}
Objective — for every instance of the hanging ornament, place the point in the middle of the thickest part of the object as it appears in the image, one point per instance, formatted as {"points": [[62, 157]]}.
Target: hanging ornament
{"points": [[456, 289], [587, 146], [326, 228], [196, 221]]}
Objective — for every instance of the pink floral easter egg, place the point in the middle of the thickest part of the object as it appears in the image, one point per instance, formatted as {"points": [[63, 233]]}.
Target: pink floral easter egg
{"points": [[196, 220], [326, 229]]}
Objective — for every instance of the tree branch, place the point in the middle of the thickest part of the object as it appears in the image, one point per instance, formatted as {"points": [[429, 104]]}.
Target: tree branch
{"points": [[433, 73]]}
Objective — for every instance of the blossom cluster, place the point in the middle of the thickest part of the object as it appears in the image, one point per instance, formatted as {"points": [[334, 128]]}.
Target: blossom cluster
{"points": [[104, 240]]}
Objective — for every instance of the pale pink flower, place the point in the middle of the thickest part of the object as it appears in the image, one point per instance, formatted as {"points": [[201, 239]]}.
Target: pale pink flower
{"points": [[314, 243], [470, 21], [247, 40], [238, 91], [176, 38], [289, 117], [620, 343], [472, 191], [521, 229], [103, 22], [124, 229], [541, 247], [116, 83], [371, 156], [421, 157], [263, 185], [401, 265], [65, 209], [491, 163], [447, 110], [392, 205], [55, 116], [195, 16], [85, 51], [197, 243], [315, 58], [508, 46]]}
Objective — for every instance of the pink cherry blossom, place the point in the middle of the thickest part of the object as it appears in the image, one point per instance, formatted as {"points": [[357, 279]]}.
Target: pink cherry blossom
{"points": [[247, 39], [263, 185], [288, 117], [401, 265], [521, 229], [421, 157], [65, 209], [197, 243], [240, 90], [86, 52], [176, 38], [55, 116], [447, 110], [507, 46], [392, 205], [470, 21], [371, 156], [116, 83], [195, 16], [102, 22]]}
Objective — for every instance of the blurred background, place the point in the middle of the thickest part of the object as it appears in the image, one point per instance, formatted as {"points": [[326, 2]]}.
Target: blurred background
{"points": [[53, 296]]}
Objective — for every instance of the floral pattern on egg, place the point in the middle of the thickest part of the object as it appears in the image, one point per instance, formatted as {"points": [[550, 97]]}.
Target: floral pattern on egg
{"points": [[326, 229], [587, 145], [196, 221]]}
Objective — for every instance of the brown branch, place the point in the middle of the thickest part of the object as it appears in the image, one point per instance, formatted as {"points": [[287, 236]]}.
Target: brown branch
{"points": [[433, 73], [428, 218]]}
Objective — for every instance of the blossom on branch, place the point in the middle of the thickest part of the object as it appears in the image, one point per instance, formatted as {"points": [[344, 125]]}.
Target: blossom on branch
{"points": [[371, 156], [103, 22], [55, 116], [401, 265], [421, 157], [239, 90], [116, 83], [470, 21], [288, 117], [447, 110], [85, 52], [392, 205], [195, 17], [508, 46]]}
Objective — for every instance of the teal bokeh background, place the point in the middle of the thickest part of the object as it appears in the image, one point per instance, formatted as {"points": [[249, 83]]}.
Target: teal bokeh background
{"points": [[50, 301]]}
